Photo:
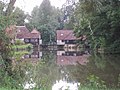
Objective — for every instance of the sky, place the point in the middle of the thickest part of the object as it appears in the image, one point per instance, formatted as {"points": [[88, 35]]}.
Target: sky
{"points": [[28, 5]]}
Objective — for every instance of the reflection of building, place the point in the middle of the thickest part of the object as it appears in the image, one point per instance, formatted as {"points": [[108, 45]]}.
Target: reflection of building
{"points": [[34, 55], [66, 38], [33, 37], [71, 58], [69, 53]]}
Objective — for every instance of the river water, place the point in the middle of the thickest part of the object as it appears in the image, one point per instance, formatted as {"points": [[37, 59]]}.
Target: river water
{"points": [[72, 70], [69, 70]]}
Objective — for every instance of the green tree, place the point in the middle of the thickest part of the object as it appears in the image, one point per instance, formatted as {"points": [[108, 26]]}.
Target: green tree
{"points": [[19, 16], [45, 12], [45, 19], [6, 19], [68, 14], [99, 20]]}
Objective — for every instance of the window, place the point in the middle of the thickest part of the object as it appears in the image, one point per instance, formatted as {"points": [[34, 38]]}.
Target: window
{"points": [[26, 40], [32, 40]]}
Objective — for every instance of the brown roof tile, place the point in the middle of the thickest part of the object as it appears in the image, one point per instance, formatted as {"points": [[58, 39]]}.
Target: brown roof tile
{"points": [[22, 30], [20, 36], [28, 35], [32, 35], [65, 35], [35, 31]]}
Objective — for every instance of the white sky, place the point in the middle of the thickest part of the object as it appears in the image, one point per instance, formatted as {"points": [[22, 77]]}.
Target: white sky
{"points": [[27, 5]]}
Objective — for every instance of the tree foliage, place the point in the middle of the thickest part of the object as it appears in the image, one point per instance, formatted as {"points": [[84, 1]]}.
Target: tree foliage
{"points": [[6, 19], [45, 19], [19, 16], [99, 20]]}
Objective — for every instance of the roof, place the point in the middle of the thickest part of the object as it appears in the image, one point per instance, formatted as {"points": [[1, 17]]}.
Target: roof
{"points": [[28, 35], [65, 35], [22, 29], [32, 35], [23, 32], [20, 36], [35, 31]]}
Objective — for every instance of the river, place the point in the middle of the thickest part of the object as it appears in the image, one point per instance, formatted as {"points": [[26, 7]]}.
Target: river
{"points": [[69, 70]]}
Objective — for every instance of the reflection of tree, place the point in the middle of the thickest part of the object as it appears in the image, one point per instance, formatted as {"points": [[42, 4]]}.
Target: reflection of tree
{"points": [[65, 75], [99, 60], [109, 73], [113, 60], [45, 73], [49, 56]]}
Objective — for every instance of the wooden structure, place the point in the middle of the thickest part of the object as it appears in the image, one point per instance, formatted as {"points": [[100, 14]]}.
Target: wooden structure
{"points": [[25, 35], [66, 38]]}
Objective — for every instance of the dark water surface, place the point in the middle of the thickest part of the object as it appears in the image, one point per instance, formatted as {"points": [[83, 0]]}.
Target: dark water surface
{"points": [[68, 70]]}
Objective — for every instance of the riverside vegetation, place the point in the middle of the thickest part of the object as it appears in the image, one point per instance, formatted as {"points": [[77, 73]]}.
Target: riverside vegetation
{"points": [[98, 20]]}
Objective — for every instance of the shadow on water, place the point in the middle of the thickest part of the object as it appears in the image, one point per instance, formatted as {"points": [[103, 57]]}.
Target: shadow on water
{"points": [[63, 70]]}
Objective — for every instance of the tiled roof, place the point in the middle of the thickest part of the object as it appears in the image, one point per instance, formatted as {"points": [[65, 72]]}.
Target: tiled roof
{"points": [[23, 32], [28, 35], [32, 35], [20, 36], [72, 60], [35, 31], [65, 35]]}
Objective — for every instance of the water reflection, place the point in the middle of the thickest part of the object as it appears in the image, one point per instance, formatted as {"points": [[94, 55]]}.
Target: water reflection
{"points": [[60, 78], [71, 58], [61, 70], [63, 85], [73, 67], [35, 54]]}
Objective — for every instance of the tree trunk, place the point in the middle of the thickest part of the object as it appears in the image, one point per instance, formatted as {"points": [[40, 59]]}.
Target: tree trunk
{"points": [[10, 7]]}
